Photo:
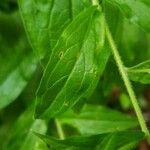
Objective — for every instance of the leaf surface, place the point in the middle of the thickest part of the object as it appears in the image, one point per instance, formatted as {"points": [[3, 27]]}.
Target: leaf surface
{"points": [[17, 62], [94, 142], [45, 20], [75, 65], [21, 136], [140, 72], [135, 10], [98, 119], [126, 140]]}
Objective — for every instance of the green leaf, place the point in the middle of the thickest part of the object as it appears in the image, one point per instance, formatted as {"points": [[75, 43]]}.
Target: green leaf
{"points": [[16, 81], [125, 140], [125, 101], [21, 136], [75, 65], [8, 6], [114, 19], [135, 10], [98, 119], [140, 72], [133, 40], [113, 141], [45, 20], [147, 2], [17, 63]]}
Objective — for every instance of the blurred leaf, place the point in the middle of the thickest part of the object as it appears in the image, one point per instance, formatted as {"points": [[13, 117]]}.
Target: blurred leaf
{"points": [[8, 6], [114, 19], [95, 119], [45, 21], [147, 2], [126, 140], [113, 141], [135, 10], [133, 40], [21, 136], [75, 65], [17, 63], [125, 101], [140, 72], [16, 81]]}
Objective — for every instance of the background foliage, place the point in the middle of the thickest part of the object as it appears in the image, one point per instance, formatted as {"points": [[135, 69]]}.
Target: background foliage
{"points": [[56, 64]]}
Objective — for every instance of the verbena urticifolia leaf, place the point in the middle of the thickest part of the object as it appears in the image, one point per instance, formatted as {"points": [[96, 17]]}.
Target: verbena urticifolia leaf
{"points": [[15, 57], [140, 72], [20, 135], [136, 11], [74, 66], [97, 120], [45, 20], [125, 140]]}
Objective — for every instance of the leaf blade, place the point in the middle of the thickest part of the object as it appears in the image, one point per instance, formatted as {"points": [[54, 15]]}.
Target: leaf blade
{"points": [[15, 57], [140, 73], [136, 11], [98, 120], [21, 132], [74, 73], [94, 142], [45, 21]]}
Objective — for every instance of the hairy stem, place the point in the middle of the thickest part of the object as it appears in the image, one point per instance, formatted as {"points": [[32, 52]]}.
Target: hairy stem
{"points": [[125, 78], [59, 129], [127, 82]]}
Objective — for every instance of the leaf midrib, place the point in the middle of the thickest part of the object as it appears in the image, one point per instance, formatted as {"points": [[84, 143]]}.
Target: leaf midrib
{"points": [[45, 112]]}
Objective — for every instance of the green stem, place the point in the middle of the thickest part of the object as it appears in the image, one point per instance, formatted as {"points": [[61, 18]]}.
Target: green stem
{"points": [[125, 78], [59, 129], [127, 82]]}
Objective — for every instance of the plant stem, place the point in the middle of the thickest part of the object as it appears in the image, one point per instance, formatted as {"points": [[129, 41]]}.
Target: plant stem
{"points": [[125, 78], [127, 82], [59, 129]]}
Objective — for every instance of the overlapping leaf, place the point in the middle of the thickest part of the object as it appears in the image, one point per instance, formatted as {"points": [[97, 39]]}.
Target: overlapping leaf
{"points": [[45, 20], [115, 141], [126, 140], [114, 19], [134, 46], [17, 62], [140, 72], [75, 65], [8, 6], [21, 136], [136, 10], [98, 119]]}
